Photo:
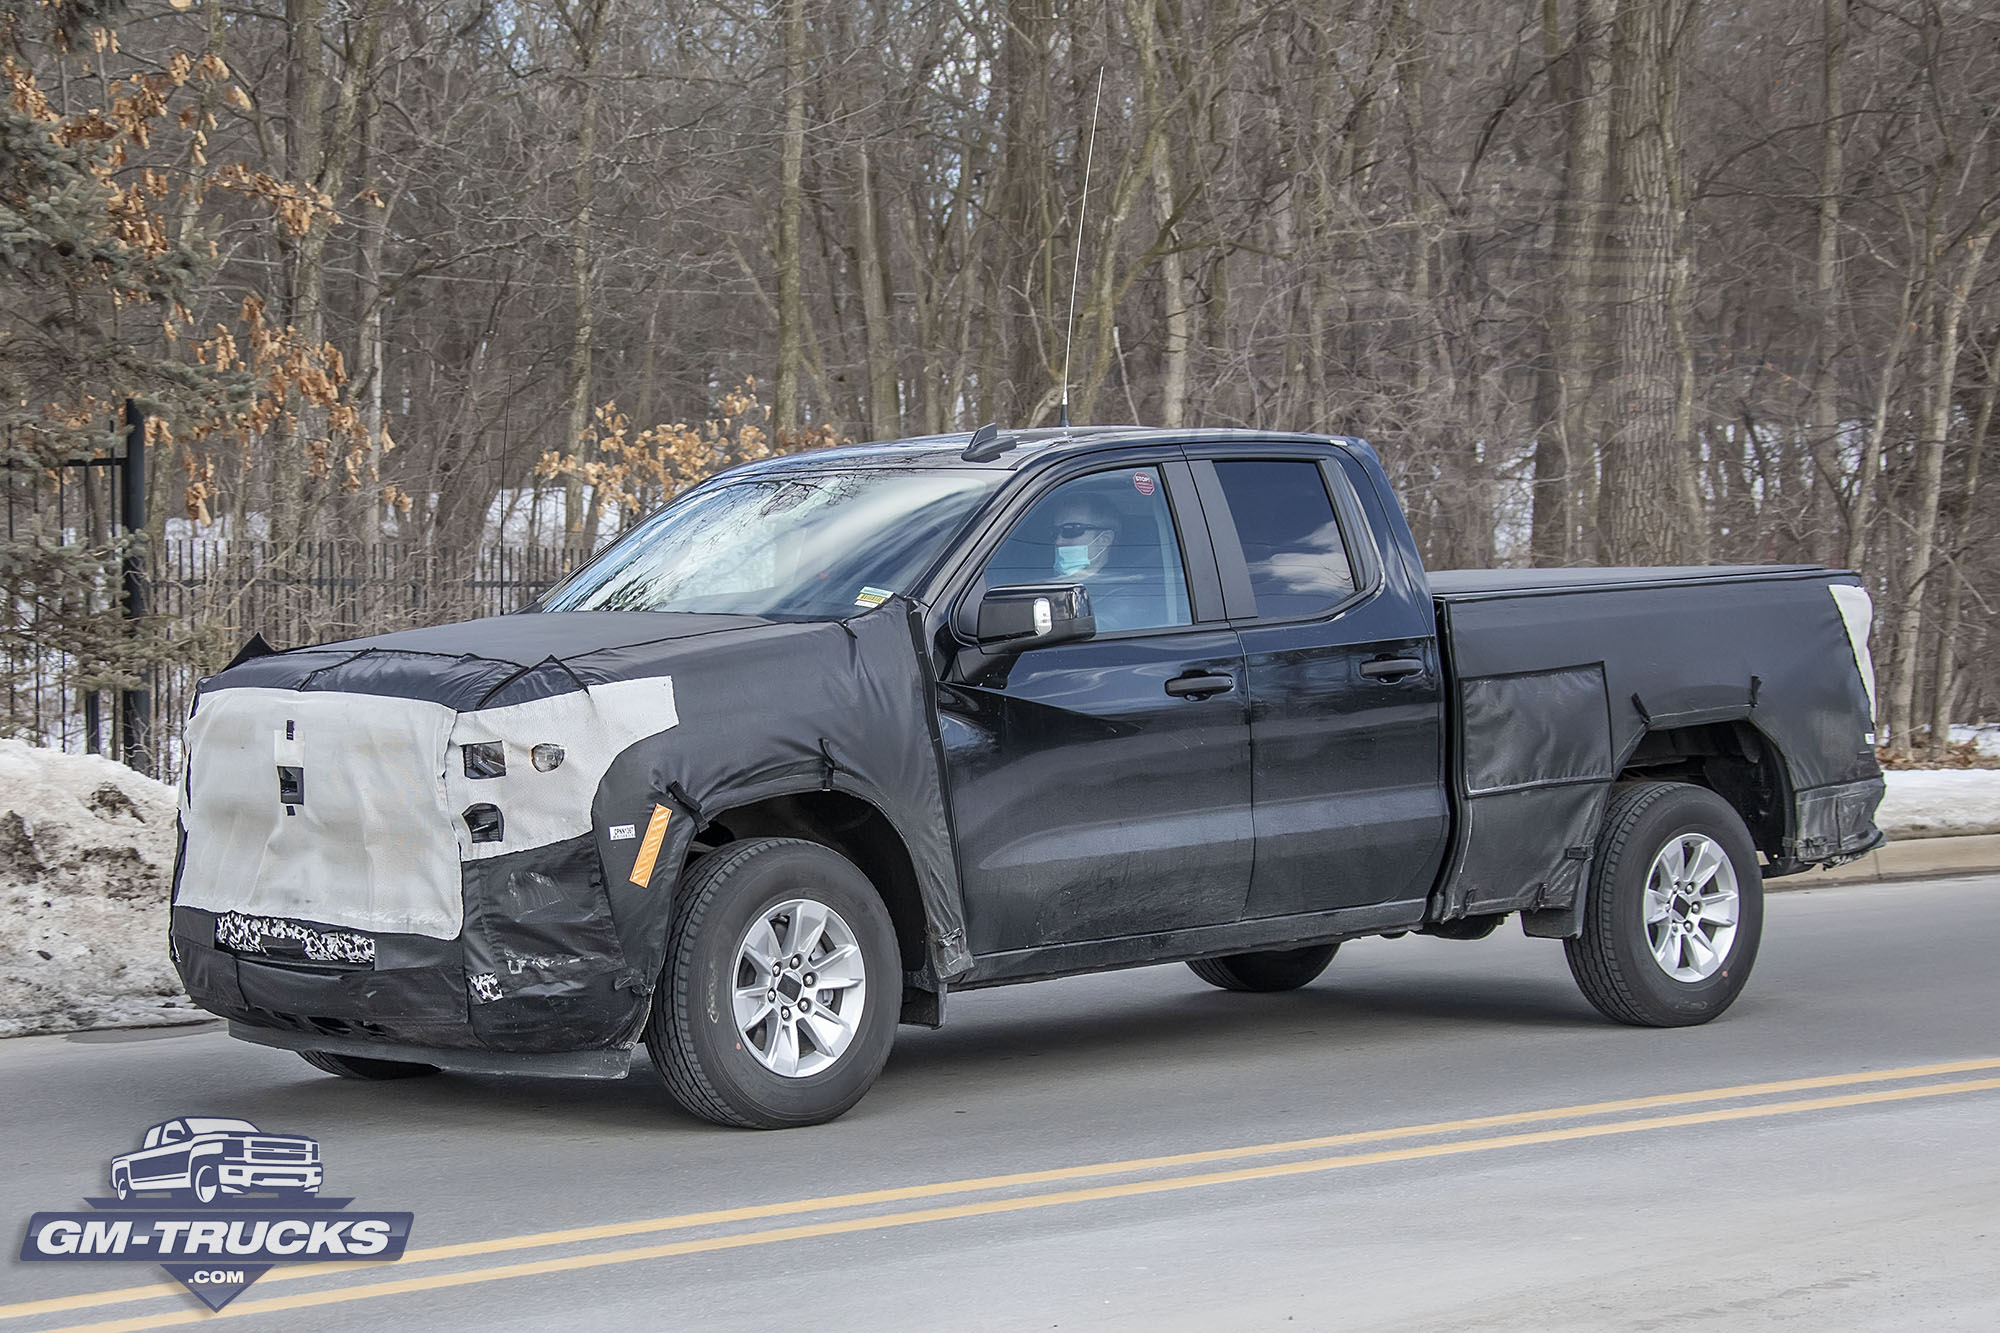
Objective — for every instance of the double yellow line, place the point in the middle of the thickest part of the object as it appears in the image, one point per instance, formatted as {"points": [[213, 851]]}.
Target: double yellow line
{"points": [[1442, 1131]]}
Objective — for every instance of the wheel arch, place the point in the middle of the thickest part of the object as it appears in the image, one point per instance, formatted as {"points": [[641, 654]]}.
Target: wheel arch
{"points": [[858, 830], [1733, 759]]}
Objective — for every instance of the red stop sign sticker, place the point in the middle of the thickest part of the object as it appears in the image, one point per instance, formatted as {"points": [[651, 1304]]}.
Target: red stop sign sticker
{"points": [[1142, 482]]}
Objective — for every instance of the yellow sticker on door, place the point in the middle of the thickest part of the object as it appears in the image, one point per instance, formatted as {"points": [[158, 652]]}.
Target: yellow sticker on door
{"points": [[649, 847]]}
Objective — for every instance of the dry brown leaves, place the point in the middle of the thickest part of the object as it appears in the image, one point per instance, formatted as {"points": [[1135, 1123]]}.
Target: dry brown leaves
{"points": [[638, 471], [1958, 754]]}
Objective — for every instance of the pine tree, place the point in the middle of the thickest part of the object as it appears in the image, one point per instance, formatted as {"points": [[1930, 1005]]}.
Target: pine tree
{"points": [[107, 207]]}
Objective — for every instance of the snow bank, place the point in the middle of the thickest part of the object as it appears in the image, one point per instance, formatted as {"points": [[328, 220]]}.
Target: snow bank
{"points": [[1940, 803], [86, 862]]}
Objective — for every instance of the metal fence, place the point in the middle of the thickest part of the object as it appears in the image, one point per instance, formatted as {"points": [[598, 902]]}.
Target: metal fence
{"points": [[208, 596], [70, 583]]}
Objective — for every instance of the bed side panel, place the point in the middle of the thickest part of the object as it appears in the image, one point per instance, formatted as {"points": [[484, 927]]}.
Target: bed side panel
{"points": [[1538, 746]]}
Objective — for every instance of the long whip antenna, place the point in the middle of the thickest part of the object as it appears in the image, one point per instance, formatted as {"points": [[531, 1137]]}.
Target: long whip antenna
{"points": [[1076, 263]]}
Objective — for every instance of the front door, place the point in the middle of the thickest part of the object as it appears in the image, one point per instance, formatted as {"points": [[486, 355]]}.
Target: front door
{"points": [[1101, 788], [1346, 720]]}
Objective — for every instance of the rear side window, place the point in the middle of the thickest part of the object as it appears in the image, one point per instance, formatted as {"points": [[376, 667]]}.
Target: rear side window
{"points": [[1291, 540]]}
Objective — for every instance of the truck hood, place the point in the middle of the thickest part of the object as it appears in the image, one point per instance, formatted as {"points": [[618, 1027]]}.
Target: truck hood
{"points": [[492, 662]]}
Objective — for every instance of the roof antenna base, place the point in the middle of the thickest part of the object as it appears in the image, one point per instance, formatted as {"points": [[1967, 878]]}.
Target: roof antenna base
{"points": [[987, 444]]}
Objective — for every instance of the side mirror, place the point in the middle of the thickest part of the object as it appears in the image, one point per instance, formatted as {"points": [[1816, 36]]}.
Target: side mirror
{"points": [[1032, 615]]}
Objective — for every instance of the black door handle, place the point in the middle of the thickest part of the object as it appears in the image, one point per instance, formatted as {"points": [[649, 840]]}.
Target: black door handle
{"points": [[1391, 669], [1199, 685]]}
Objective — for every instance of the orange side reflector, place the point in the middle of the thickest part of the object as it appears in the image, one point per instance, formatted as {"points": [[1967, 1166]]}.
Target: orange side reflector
{"points": [[649, 847]]}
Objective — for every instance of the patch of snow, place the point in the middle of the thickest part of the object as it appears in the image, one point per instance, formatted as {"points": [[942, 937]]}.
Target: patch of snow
{"points": [[86, 865], [1986, 737], [525, 516], [1940, 803]]}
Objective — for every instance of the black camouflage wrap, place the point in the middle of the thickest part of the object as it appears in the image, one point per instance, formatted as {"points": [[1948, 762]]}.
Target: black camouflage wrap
{"points": [[1640, 651]]}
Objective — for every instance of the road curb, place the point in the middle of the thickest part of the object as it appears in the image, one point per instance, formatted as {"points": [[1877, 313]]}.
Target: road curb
{"points": [[1907, 858]]}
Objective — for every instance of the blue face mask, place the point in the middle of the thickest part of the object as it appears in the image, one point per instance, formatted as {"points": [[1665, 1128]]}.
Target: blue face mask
{"points": [[1071, 559]]}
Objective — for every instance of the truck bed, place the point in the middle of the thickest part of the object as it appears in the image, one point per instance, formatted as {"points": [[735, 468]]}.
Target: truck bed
{"points": [[1563, 682]]}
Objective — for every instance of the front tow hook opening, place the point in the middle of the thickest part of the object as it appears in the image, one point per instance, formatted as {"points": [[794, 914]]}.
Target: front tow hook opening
{"points": [[483, 821]]}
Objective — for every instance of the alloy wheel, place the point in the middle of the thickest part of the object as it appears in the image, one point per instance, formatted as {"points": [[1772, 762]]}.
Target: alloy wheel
{"points": [[801, 986], [1691, 907]]}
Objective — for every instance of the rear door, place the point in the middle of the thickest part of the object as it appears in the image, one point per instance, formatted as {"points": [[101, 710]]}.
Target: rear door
{"points": [[1102, 789], [1346, 721]]}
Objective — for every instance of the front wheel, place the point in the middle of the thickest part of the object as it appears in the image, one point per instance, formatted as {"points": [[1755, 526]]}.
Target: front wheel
{"points": [[782, 986], [1266, 969], [207, 1185], [1675, 908]]}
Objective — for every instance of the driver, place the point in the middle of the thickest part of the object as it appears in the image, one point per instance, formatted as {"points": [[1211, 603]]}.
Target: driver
{"points": [[1085, 536], [1085, 530]]}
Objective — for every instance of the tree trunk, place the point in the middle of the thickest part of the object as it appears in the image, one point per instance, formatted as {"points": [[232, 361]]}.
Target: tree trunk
{"points": [[1562, 397], [1028, 325], [305, 82], [1930, 485], [1825, 424], [785, 413], [580, 517], [373, 361], [885, 410], [1860, 505], [1645, 513], [1680, 286], [1176, 318], [1942, 680]]}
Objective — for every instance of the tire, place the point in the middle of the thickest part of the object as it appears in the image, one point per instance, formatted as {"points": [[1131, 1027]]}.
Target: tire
{"points": [[121, 1184], [753, 1062], [361, 1066], [1265, 970], [207, 1185], [1689, 963]]}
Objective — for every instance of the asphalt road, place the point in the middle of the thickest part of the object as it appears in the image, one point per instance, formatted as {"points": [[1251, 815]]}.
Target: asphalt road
{"points": [[1433, 1135]]}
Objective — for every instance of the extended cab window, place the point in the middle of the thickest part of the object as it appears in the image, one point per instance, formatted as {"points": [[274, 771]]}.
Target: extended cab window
{"points": [[1113, 533], [1291, 540]]}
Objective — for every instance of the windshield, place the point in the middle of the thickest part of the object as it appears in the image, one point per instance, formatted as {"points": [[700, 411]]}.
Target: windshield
{"points": [[216, 1125], [794, 547]]}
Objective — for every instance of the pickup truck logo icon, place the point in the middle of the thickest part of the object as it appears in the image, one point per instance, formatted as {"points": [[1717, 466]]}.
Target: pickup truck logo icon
{"points": [[207, 1157], [218, 1203]]}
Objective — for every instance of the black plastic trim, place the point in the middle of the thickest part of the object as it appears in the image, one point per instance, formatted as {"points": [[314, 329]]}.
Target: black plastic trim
{"points": [[613, 1063], [1173, 946]]}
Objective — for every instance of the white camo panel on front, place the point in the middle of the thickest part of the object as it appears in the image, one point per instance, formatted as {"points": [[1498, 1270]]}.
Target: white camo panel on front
{"points": [[376, 842], [593, 727], [370, 846]]}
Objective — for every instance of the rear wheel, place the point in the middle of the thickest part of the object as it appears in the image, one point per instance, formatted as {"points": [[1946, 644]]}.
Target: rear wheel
{"points": [[1675, 908], [361, 1066], [782, 986], [1266, 969]]}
